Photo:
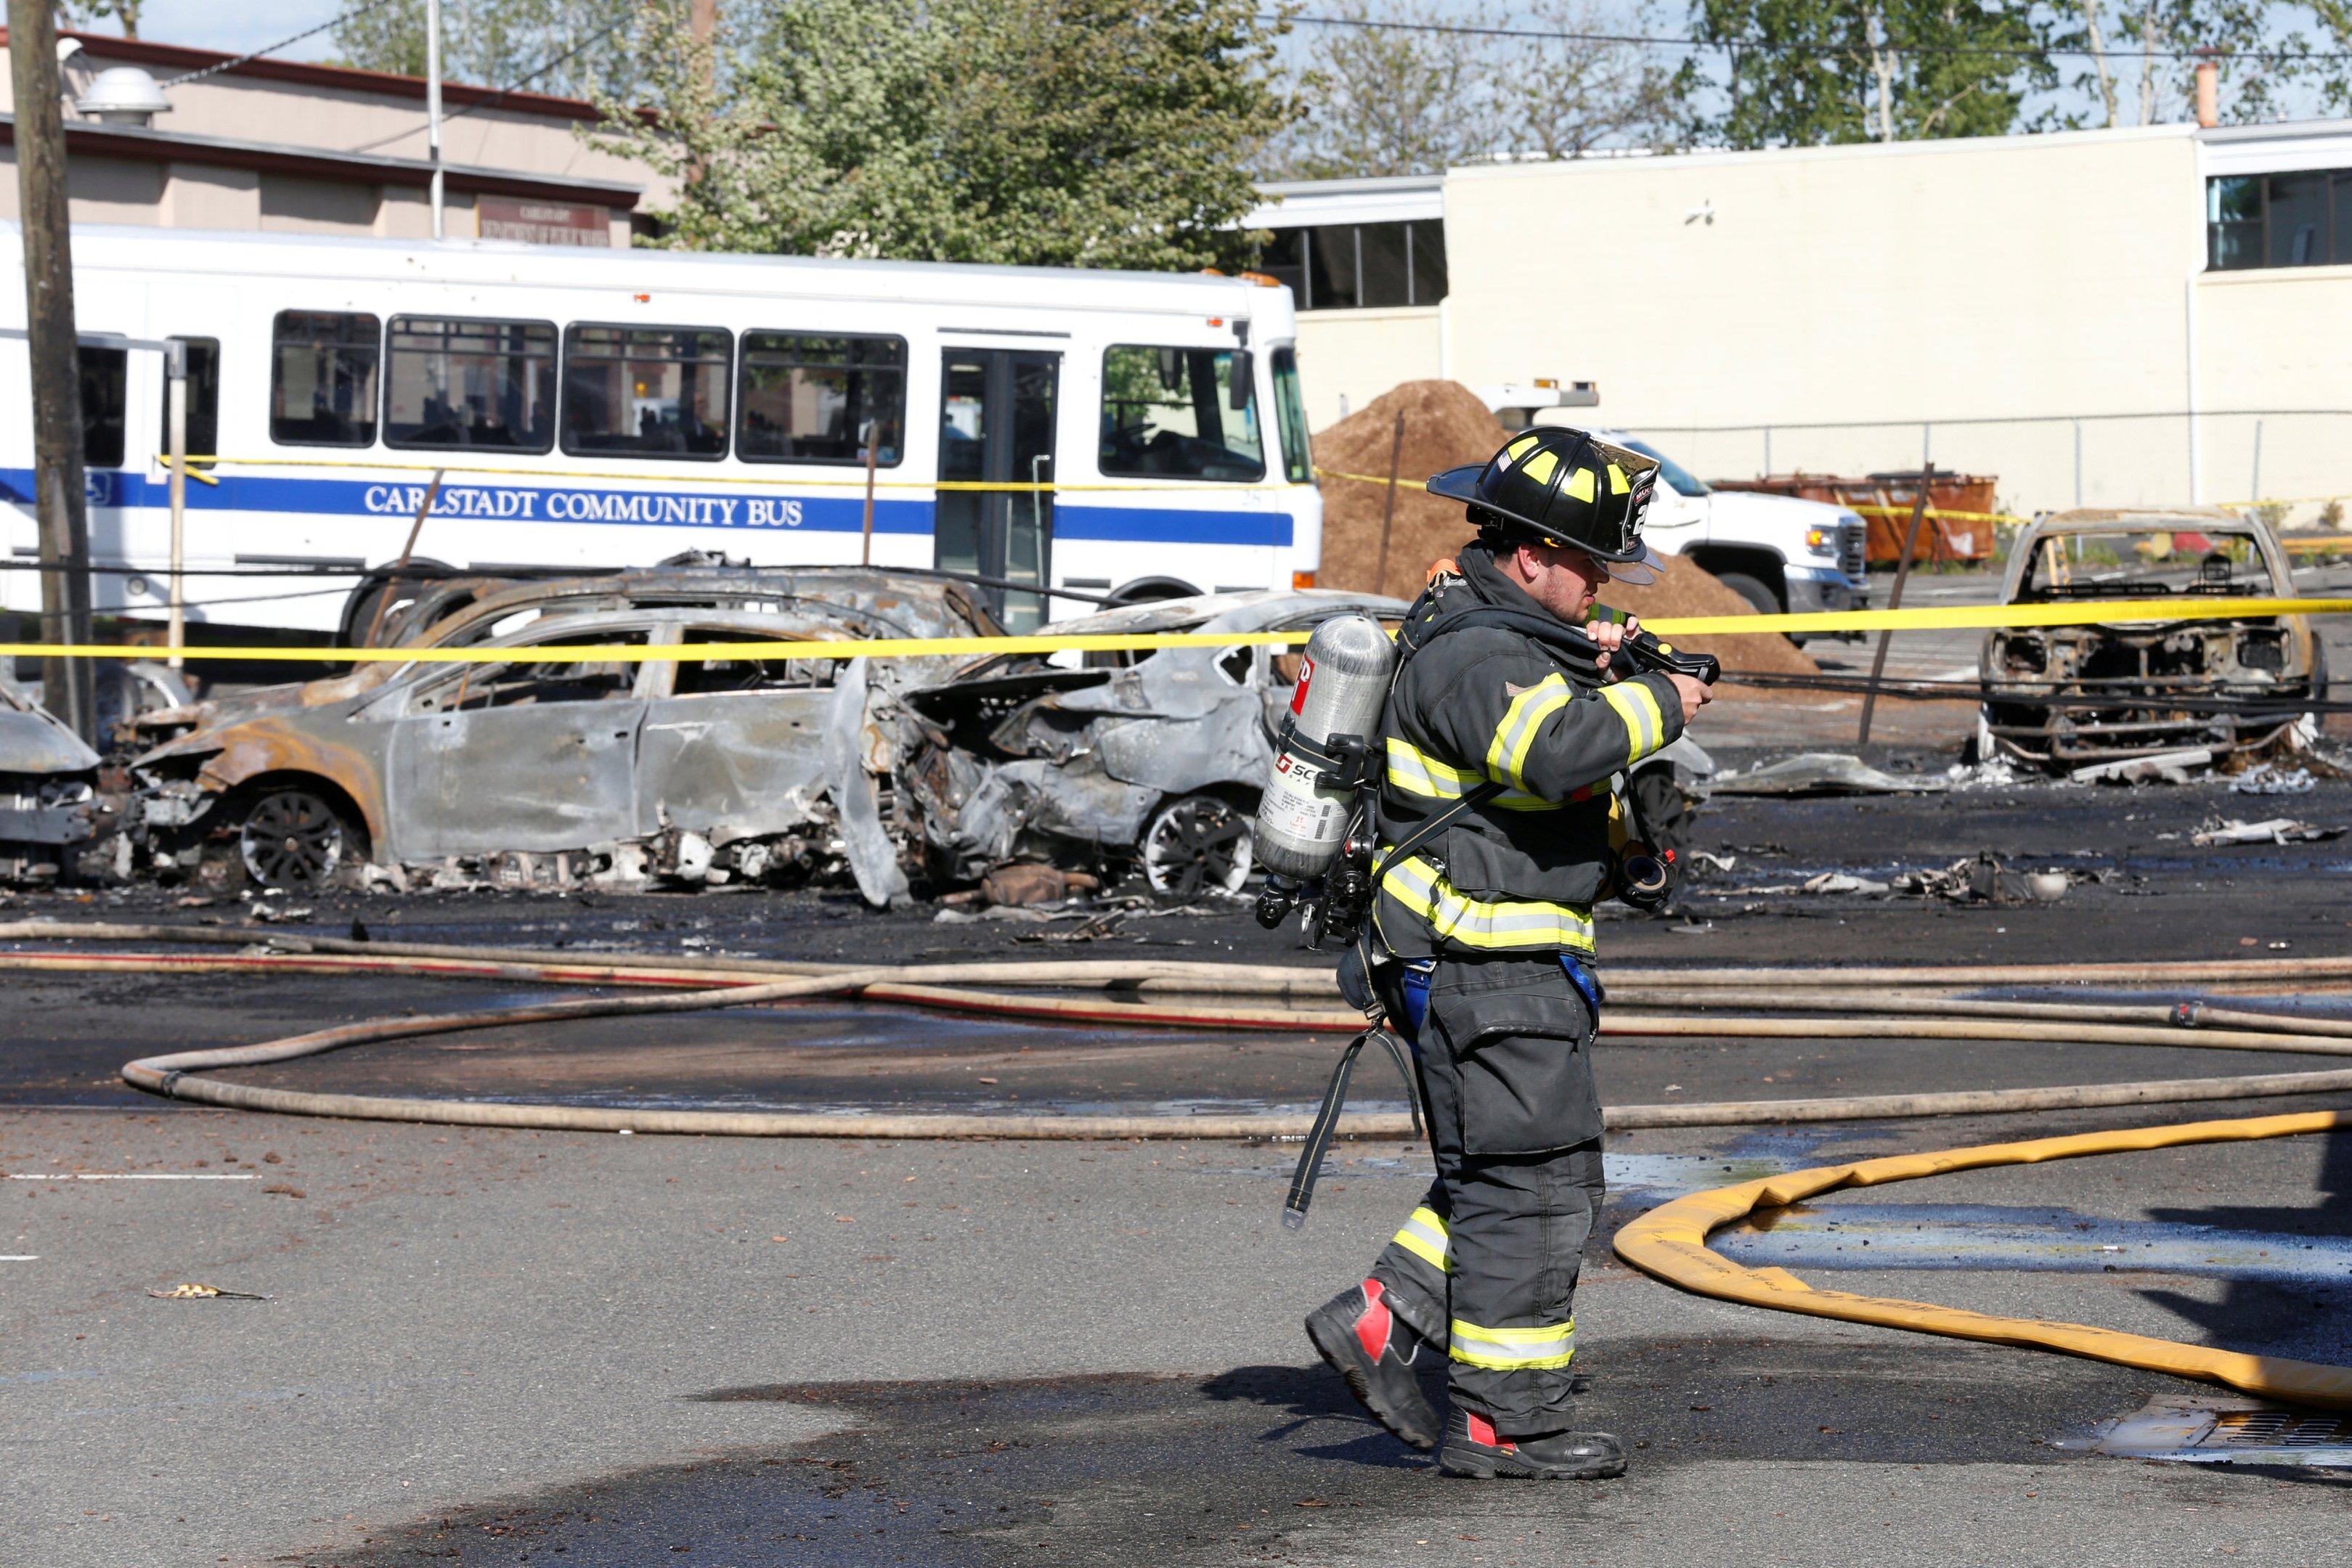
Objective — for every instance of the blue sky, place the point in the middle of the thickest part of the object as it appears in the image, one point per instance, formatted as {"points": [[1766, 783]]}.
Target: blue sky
{"points": [[247, 25]]}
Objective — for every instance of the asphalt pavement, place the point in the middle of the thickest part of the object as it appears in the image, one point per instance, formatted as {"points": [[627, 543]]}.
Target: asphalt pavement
{"points": [[487, 1346]]}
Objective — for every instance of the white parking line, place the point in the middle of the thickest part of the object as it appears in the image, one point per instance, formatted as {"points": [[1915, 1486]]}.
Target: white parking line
{"points": [[122, 1175], [19, 1257]]}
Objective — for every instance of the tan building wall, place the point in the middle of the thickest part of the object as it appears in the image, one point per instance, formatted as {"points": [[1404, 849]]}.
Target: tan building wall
{"points": [[2275, 340], [1921, 283], [1346, 358], [328, 111]]}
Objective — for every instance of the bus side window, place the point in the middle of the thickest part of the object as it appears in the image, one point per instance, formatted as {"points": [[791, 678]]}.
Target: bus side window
{"points": [[204, 403], [645, 391], [1166, 412], [105, 400], [454, 384], [819, 400], [322, 376]]}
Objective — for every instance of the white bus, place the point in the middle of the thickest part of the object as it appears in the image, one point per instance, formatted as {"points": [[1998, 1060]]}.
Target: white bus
{"points": [[1114, 433]]}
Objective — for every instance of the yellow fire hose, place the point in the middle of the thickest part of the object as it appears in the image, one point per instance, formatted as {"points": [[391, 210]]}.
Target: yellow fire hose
{"points": [[1669, 1243]]}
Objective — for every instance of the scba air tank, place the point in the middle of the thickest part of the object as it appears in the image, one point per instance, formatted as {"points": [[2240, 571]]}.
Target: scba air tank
{"points": [[1343, 684]]}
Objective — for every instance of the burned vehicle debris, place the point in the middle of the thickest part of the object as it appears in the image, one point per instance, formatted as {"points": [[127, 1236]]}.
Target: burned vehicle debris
{"points": [[2064, 696], [1154, 757], [1149, 761], [464, 611], [544, 773], [48, 791]]}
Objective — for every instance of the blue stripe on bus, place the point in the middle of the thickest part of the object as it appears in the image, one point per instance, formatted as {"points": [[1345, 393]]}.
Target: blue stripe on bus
{"points": [[558, 503]]}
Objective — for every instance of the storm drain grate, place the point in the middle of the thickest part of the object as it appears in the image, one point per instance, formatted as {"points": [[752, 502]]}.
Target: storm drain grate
{"points": [[2279, 1430], [2224, 1432]]}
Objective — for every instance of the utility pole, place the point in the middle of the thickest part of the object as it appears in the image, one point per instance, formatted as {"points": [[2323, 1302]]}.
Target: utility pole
{"points": [[432, 100], [67, 687]]}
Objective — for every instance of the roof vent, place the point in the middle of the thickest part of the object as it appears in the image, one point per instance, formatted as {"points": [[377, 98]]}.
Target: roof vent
{"points": [[124, 95]]}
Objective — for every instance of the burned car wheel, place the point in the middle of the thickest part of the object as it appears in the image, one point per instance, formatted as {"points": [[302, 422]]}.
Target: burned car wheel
{"points": [[1198, 844], [292, 839]]}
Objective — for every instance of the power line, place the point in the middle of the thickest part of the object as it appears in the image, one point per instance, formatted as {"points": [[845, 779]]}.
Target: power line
{"points": [[281, 44], [511, 88], [1762, 46]]}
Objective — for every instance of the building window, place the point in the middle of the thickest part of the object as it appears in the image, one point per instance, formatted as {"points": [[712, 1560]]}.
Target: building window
{"points": [[105, 383], [204, 402], [2303, 219], [819, 400], [1169, 414], [1346, 267], [455, 384], [1290, 412], [322, 378], [645, 391]]}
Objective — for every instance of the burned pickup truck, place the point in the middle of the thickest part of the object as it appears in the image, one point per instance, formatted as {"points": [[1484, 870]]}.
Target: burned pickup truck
{"points": [[2069, 697], [540, 772]]}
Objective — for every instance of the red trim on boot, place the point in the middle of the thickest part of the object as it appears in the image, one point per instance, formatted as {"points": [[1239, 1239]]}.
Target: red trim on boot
{"points": [[1482, 1432], [1373, 1327]]}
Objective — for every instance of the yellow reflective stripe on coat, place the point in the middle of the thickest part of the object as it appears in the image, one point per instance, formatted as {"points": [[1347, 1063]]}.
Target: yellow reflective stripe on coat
{"points": [[1519, 923], [1416, 772], [1425, 1237], [1513, 1350], [1646, 726], [1506, 755]]}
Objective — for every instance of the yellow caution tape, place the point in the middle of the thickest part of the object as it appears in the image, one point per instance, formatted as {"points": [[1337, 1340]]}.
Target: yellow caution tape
{"points": [[1962, 617], [2326, 542], [772, 481], [1876, 511], [1371, 478], [1670, 1242]]}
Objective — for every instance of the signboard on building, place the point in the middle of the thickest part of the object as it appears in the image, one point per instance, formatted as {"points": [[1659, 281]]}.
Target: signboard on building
{"points": [[542, 222]]}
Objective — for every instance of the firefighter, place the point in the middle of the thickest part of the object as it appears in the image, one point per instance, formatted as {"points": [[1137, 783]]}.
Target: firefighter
{"points": [[1482, 950]]}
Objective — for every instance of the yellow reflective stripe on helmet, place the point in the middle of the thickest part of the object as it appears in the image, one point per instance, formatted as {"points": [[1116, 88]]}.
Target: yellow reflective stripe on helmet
{"points": [[1618, 484], [1513, 1350], [1518, 924], [1517, 448], [1425, 1237], [1416, 772], [1579, 486], [1646, 726], [1540, 467], [1507, 752]]}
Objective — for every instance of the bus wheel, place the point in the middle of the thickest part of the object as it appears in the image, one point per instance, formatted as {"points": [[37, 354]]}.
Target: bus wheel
{"points": [[292, 839], [1196, 845]]}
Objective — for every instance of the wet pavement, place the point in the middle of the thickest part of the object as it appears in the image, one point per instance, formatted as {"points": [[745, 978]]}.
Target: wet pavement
{"points": [[482, 1346]]}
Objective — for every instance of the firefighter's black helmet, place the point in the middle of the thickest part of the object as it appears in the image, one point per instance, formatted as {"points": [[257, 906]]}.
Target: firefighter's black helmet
{"points": [[1568, 488]]}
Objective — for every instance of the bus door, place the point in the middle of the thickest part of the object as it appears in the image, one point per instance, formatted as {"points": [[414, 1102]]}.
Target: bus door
{"points": [[996, 426]]}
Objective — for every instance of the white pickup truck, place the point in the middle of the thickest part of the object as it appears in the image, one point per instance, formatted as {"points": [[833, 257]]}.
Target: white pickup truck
{"points": [[1775, 551]]}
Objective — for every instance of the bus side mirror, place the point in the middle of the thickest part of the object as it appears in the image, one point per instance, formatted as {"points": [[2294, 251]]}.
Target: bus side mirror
{"points": [[1244, 377]]}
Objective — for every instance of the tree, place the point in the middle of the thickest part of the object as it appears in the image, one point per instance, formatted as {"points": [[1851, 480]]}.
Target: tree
{"points": [[1809, 71], [79, 12], [1418, 88], [574, 49], [1059, 133]]}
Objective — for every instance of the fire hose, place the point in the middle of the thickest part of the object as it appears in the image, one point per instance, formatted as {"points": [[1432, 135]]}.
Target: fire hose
{"points": [[697, 984], [1669, 1243]]}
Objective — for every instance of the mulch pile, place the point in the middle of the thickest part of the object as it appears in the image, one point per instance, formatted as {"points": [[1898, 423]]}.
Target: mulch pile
{"points": [[1446, 425]]}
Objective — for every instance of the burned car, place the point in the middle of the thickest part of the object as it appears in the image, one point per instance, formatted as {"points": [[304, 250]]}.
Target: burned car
{"points": [[2078, 695], [49, 790], [1151, 761], [458, 612], [546, 772]]}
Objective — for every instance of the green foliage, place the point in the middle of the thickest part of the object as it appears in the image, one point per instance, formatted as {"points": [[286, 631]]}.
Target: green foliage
{"points": [[81, 13], [1392, 100], [573, 48], [1057, 132], [2136, 73], [1881, 70]]}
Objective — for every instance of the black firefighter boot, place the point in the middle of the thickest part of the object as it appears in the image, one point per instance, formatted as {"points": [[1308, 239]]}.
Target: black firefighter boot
{"points": [[1372, 1347], [1473, 1449]]}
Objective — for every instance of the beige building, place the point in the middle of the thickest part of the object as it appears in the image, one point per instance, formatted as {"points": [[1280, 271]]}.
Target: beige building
{"points": [[281, 146], [2096, 317]]}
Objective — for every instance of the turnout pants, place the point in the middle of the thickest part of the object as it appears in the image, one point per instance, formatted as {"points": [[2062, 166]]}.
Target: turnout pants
{"points": [[1486, 1267]]}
